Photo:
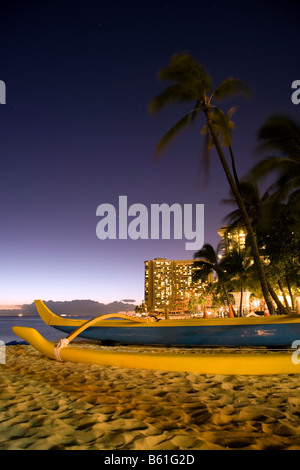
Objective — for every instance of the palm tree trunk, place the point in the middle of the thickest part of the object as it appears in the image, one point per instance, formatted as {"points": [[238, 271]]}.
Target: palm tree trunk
{"points": [[236, 178], [239, 200], [283, 295], [225, 292], [279, 304], [241, 299], [290, 291]]}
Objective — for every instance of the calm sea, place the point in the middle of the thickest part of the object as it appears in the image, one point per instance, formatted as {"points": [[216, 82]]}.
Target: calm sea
{"points": [[8, 336]]}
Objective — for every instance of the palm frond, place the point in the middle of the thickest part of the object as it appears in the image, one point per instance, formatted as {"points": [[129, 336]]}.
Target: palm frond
{"points": [[201, 264], [208, 143], [172, 94], [287, 186], [231, 87], [231, 112], [294, 197], [280, 133], [228, 202], [173, 132], [186, 70], [180, 66], [201, 271], [234, 218], [196, 110], [266, 166], [206, 252]]}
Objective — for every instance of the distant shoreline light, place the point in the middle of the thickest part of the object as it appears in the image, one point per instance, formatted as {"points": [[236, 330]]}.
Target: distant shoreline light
{"points": [[184, 225]]}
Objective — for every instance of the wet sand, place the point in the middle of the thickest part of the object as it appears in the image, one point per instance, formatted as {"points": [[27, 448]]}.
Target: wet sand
{"points": [[49, 405]]}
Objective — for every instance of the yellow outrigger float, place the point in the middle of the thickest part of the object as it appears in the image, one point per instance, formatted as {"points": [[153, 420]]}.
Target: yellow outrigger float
{"points": [[224, 363]]}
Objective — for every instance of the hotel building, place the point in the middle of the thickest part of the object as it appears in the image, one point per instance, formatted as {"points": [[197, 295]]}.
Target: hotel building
{"points": [[168, 284], [233, 238]]}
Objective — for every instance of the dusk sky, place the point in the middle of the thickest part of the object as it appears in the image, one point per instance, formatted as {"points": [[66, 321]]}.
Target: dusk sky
{"points": [[76, 132]]}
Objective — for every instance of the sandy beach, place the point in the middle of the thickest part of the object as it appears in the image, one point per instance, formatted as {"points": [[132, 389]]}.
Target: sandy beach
{"points": [[48, 405]]}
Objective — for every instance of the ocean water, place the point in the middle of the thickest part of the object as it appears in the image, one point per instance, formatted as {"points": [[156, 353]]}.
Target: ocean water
{"points": [[8, 336]]}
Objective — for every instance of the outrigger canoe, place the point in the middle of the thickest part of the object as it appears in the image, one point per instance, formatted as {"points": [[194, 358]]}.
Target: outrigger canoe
{"points": [[267, 363], [269, 331]]}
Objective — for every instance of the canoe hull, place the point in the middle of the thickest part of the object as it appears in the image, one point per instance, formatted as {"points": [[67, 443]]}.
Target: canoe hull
{"points": [[233, 335], [258, 331]]}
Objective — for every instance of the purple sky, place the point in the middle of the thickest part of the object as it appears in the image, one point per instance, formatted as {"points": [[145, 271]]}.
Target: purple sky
{"points": [[75, 131]]}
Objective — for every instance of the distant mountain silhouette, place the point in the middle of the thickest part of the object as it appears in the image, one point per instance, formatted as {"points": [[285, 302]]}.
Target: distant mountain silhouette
{"points": [[83, 308]]}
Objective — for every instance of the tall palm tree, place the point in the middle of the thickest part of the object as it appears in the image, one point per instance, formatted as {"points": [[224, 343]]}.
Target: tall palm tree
{"points": [[191, 83], [280, 136], [208, 262]]}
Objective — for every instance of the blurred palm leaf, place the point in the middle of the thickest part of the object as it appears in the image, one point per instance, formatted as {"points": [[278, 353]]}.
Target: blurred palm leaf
{"points": [[230, 88], [280, 136]]}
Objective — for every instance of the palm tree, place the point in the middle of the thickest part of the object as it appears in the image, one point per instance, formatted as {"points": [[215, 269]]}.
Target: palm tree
{"points": [[190, 82], [281, 136], [208, 262], [238, 264]]}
